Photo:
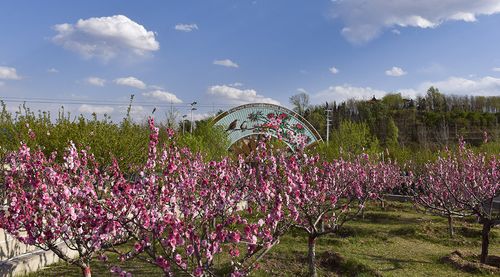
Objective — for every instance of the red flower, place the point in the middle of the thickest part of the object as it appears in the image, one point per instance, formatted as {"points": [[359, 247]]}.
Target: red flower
{"points": [[270, 115], [299, 126], [283, 116]]}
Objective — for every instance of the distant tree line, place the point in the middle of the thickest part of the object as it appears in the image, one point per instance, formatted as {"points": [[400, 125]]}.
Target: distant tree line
{"points": [[431, 121]]}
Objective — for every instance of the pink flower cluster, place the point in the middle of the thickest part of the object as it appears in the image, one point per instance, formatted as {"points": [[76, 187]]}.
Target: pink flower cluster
{"points": [[52, 204]]}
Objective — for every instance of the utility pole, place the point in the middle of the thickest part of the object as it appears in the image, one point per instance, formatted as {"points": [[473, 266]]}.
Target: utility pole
{"points": [[192, 109], [171, 120], [328, 123]]}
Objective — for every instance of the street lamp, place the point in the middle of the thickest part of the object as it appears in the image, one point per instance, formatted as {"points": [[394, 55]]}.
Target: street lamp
{"points": [[183, 122], [192, 109], [328, 123]]}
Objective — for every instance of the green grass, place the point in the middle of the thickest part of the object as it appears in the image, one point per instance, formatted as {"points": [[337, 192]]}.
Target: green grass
{"points": [[396, 241]]}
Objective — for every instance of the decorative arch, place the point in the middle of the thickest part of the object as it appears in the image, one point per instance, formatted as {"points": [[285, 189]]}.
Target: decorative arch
{"points": [[267, 119]]}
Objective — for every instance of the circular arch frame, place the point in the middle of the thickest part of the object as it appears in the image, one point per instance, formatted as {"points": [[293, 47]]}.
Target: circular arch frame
{"points": [[253, 119]]}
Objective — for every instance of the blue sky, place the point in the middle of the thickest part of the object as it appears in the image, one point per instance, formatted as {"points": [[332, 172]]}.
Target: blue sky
{"points": [[91, 55]]}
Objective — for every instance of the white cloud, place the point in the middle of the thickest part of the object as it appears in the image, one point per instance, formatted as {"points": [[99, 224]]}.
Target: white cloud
{"points": [[130, 82], [164, 96], [333, 70], [396, 31], [186, 27], [137, 112], [8, 73], [485, 86], [155, 87], [302, 90], [346, 91], [365, 20], [95, 81], [106, 37], [95, 109], [226, 63], [233, 95], [496, 69], [395, 72], [200, 116], [52, 70]]}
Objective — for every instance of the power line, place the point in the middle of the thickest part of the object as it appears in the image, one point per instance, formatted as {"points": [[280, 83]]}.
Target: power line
{"points": [[66, 101]]}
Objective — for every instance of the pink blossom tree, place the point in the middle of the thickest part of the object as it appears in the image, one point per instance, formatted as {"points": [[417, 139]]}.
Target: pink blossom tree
{"points": [[51, 205], [464, 182], [183, 212], [321, 197], [375, 178], [266, 191], [432, 193]]}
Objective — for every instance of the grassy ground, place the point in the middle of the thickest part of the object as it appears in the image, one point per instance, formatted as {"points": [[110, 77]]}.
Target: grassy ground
{"points": [[395, 241]]}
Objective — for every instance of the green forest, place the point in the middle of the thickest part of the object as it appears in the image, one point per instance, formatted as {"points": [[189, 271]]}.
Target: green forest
{"points": [[403, 126]]}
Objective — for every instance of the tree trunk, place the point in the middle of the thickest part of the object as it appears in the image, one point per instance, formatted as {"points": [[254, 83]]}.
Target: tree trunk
{"points": [[450, 226], [322, 225], [486, 241], [311, 258], [86, 271]]}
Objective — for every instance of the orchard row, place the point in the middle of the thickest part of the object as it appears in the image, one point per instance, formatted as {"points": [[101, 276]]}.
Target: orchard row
{"points": [[179, 212]]}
